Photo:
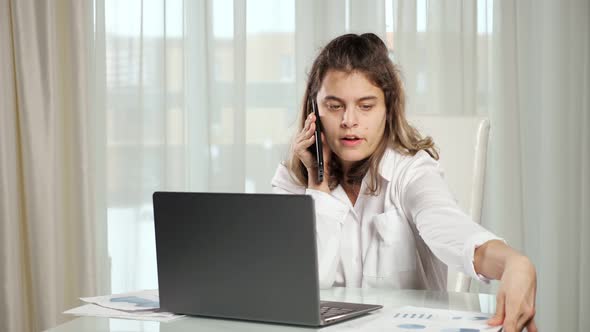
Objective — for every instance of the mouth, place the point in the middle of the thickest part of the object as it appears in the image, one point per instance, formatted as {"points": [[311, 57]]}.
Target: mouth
{"points": [[351, 140]]}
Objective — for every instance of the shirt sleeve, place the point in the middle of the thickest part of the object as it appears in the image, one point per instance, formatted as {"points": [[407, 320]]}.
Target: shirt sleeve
{"points": [[330, 213], [449, 232], [283, 183]]}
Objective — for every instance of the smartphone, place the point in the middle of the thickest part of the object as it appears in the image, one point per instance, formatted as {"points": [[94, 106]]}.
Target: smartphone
{"points": [[318, 141]]}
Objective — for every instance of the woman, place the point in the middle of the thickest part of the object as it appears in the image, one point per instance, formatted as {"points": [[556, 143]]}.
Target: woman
{"points": [[385, 217]]}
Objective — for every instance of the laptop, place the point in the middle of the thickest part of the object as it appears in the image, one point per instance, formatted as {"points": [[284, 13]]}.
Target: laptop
{"points": [[242, 256]]}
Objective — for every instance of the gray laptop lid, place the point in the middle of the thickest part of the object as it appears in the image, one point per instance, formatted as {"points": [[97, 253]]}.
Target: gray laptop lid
{"points": [[243, 256]]}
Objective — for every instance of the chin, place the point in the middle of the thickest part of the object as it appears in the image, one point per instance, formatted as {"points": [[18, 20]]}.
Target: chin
{"points": [[351, 156]]}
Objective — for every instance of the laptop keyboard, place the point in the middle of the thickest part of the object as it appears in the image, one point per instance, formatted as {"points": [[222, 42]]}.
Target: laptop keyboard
{"points": [[327, 312]]}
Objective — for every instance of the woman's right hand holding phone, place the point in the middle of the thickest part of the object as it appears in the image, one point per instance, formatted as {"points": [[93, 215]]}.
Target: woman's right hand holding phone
{"points": [[303, 141]]}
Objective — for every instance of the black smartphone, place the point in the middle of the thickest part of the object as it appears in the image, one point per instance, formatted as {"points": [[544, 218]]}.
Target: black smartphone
{"points": [[318, 141]]}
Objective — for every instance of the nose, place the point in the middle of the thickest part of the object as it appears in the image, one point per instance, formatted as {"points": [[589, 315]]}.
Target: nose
{"points": [[349, 119]]}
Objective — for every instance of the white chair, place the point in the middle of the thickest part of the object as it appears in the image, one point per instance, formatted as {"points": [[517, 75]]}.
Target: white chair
{"points": [[462, 142]]}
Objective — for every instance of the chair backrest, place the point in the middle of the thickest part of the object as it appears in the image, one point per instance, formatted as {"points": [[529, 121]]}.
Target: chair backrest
{"points": [[462, 142]]}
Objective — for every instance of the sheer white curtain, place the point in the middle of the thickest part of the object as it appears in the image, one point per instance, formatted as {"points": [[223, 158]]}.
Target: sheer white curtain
{"points": [[52, 247], [526, 66], [552, 124], [197, 98], [202, 95]]}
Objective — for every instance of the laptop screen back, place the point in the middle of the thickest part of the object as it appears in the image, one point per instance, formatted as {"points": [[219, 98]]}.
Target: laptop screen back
{"points": [[243, 256]]}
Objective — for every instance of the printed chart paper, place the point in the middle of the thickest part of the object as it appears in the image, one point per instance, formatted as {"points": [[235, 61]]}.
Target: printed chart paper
{"points": [[417, 319], [142, 305], [427, 320]]}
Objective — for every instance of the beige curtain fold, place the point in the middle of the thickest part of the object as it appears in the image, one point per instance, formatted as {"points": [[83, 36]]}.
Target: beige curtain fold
{"points": [[53, 248]]}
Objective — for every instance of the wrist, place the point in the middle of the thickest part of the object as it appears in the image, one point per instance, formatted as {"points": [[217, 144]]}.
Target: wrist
{"points": [[494, 257], [518, 262]]}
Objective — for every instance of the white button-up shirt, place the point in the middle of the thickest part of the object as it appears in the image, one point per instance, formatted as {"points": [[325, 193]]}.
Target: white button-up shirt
{"points": [[397, 238]]}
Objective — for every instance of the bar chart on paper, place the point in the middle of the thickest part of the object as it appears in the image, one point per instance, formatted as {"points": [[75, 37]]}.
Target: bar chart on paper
{"points": [[435, 320]]}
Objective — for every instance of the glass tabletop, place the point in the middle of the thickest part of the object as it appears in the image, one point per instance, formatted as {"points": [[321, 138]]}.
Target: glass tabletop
{"points": [[390, 299]]}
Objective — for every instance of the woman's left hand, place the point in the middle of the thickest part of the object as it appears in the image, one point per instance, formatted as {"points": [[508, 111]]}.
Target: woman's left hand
{"points": [[515, 301]]}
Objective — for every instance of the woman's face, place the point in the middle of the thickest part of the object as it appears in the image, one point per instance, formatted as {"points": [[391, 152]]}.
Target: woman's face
{"points": [[352, 111]]}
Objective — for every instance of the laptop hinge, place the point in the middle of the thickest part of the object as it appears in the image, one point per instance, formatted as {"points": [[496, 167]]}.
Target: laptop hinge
{"points": [[329, 319]]}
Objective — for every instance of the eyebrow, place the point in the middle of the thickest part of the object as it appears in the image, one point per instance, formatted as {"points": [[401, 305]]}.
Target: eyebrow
{"points": [[342, 101]]}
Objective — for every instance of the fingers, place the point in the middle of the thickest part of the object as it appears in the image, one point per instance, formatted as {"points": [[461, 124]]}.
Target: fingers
{"points": [[527, 312], [513, 316], [498, 318], [510, 324], [307, 132], [309, 125], [304, 140], [531, 326], [516, 298], [518, 315]]}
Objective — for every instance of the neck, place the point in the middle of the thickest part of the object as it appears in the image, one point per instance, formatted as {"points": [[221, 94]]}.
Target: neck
{"points": [[346, 165], [352, 191], [350, 186]]}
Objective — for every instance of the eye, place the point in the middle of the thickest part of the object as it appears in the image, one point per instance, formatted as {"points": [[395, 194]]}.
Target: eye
{"points": [[366, 107], [334, 107]]}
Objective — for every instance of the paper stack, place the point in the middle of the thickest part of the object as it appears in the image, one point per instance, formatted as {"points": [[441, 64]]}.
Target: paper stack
{"points": [[141, 305]]}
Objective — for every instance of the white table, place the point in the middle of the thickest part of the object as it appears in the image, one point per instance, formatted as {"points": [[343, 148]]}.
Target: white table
{"points": [[388, 298]]}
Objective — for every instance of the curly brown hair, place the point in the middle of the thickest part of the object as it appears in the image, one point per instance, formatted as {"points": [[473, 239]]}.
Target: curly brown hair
{"points": [[366, 54]]}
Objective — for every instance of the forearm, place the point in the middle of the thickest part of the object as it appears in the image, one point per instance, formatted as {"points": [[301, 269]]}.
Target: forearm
{"points": [[491, 259]]}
